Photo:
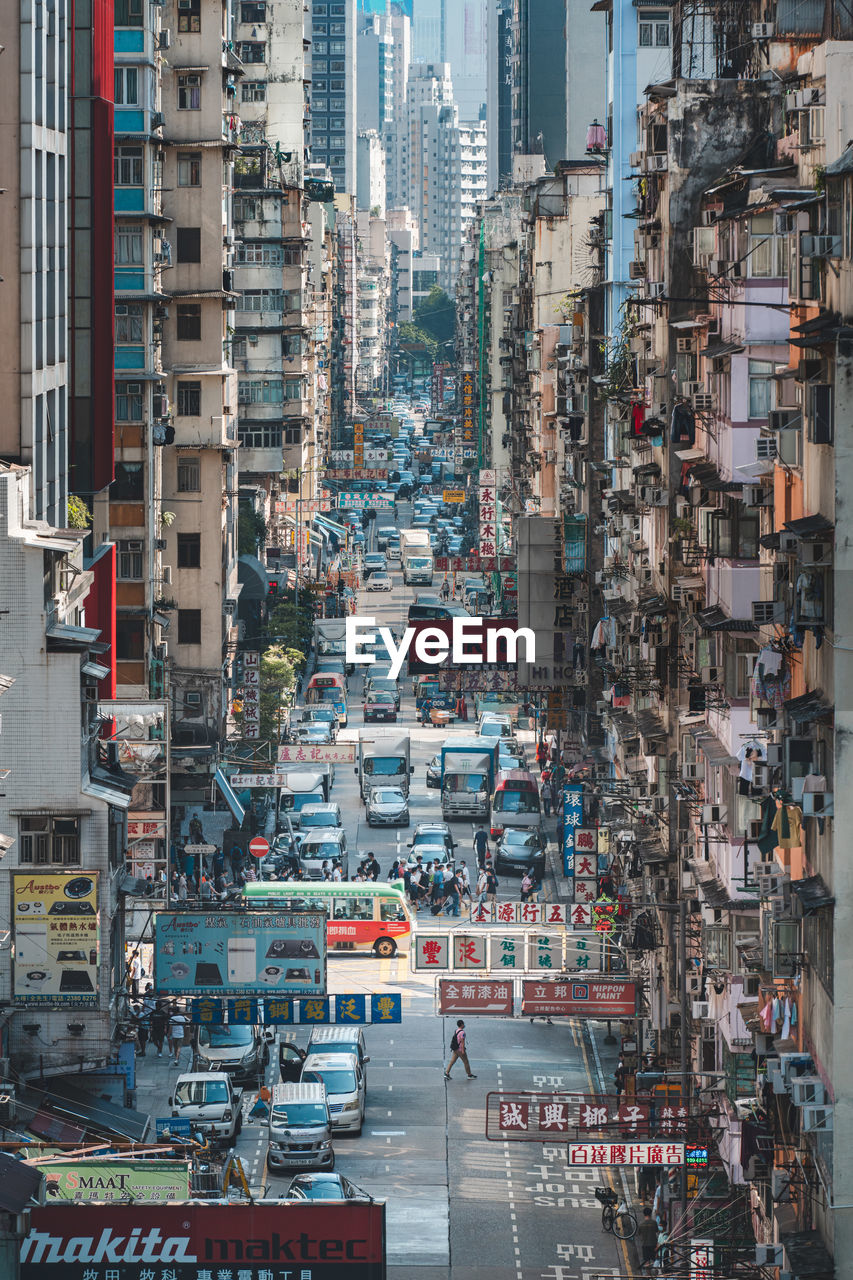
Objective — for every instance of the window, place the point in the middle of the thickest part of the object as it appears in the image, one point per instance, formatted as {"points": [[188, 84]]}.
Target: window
{"points": [[817, 943], [238, 348], [247, 209], [189, 550], [189, 168], [189, 399], [189, 92], [128, 402], [128, 316], [189, 626], [320, 46], [319, 86], [767, 254], [293, 389], [189, 15], [46, 838], [337, 86], [253, 51], [130, 639], [254, 90], [129, 559], [654, 29], [733, 532], [128, 245], [253, 12], [189, 322], [760, 387], [128, 13], [126, 86], [821, 413], [189, 244], [129, 484], [261, 300], [260, 255], [192, 702], [189, 475], [260, 435], [266, 391]]}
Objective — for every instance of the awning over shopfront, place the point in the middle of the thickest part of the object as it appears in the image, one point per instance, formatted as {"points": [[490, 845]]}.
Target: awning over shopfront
{"points": [[229, 795]]}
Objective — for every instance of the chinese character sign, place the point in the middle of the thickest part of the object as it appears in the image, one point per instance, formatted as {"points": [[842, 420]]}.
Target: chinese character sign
{"points": [[572, 818], [430, 951], [626, 1153], [572, 998], [472, 996]]}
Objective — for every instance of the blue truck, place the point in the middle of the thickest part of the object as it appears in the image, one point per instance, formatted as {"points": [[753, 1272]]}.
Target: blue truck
{"points": [[468, 769]]}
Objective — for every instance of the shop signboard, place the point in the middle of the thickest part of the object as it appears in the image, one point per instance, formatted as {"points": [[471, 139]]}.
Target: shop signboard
{"points": [[666, 1154], [56, 935], [592, 998], [323, 753], [270, 953], [267, 1240], [113, 1181], [475, 996]]}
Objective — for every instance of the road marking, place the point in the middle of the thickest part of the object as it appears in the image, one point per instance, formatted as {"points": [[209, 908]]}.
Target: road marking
{"points": [[387, 1133], [610, 1176]]}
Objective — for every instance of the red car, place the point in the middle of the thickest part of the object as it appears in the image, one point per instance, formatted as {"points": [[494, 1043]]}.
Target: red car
{"points": [[380, 706]]}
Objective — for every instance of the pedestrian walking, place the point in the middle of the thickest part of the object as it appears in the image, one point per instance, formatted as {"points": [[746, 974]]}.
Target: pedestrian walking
{"points": [[451, 896], [647, 1234], [482, 884], [177, 1022], [541, 754], [196, 832], [464, 878], [445, 590], [142, 1023], [491, 883], [619, 1078], [206, 889], [526, 886], [159, 1023], [547, 791], [481, 845], [437, 892], [459, 1051]]}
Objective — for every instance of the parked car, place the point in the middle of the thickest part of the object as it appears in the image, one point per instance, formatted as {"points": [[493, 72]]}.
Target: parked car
{"points": [[387, 807], [211, 1104], [300, 1128], [324, 1186], [345, 1088], [240, 1050], [379, 582], [433, 772], [380, 706], [520, 848]]}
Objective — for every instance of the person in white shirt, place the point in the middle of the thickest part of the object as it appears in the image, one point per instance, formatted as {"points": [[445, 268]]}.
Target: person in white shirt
{"points": [[337, 874], [177, 1022]]}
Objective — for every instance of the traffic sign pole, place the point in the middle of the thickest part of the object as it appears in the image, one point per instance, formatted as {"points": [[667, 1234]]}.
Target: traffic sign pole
{"points": [[259, 846]]}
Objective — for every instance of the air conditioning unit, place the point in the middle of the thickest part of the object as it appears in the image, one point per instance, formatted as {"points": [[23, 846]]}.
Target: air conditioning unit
{"points": [[789, 543], [767, 612], [760, 775], [693, 772], [166, 574], [636, 270], [160, 544], [808, 1091], [815, 553], [793, 1065], [714, 814], [635, 159], [770, 882], [693, 984], [765, 449], [763, 30], [711, 675], [683, 345], [782, 419], [157, 119], [818, 804], [655, 288], [816, 1120], [7, 1105], [693, 388], [769, 1255], [703, 402], [820, 246], [657, 163], [164, 39], [701, 1010]]}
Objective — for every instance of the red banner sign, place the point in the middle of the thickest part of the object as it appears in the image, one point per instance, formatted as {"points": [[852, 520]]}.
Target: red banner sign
{"points": [[489, 998], [474, 564], [530, 1117], [599, 999], [341, 1241]]}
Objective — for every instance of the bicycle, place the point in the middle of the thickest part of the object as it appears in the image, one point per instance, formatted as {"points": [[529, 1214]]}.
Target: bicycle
{"points": [[616, 1216]]}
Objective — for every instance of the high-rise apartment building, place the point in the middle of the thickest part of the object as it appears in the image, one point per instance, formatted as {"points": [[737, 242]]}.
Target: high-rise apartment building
{"points": [[383, 56], [499, 48], [331, 29]]}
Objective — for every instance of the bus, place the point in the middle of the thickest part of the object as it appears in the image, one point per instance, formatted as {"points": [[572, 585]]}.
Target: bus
{"points": [[361, 917], [515, 802]]}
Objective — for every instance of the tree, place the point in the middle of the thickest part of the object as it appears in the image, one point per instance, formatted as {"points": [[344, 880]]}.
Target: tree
{"points": [[291, 625], [436, 315], [251, 530], [411, 335]]}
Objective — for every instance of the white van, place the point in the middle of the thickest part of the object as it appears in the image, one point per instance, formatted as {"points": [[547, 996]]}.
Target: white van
{"points": [[300, 1132], [345, 1088], [323, 844], [211, 1103]]}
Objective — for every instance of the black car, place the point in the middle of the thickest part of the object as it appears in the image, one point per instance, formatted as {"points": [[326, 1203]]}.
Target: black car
{"points": [[520, 848], [433, 772]]}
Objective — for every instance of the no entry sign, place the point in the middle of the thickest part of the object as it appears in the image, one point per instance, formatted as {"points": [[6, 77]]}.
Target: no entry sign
{"points": [[259, 846]]}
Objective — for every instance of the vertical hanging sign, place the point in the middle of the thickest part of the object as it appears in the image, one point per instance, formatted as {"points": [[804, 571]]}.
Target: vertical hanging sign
{"points": [[572, 819]]}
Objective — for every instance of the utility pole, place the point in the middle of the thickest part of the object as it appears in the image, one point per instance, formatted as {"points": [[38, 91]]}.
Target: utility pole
{"points": [[682, 985]]}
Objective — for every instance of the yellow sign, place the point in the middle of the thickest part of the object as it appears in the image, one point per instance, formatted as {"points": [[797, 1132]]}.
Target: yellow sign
{"points": [[56, 934], [453, 495]]}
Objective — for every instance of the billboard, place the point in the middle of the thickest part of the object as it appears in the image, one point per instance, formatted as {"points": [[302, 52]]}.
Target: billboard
{"points": [[339, 1241], [56, 927], [593, 998], [492, 999], [247, 954], [107, 1181], [670, 1154]]}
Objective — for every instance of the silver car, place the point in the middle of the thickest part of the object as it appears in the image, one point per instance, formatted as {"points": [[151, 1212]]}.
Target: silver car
{"points": [[387, 807]]}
